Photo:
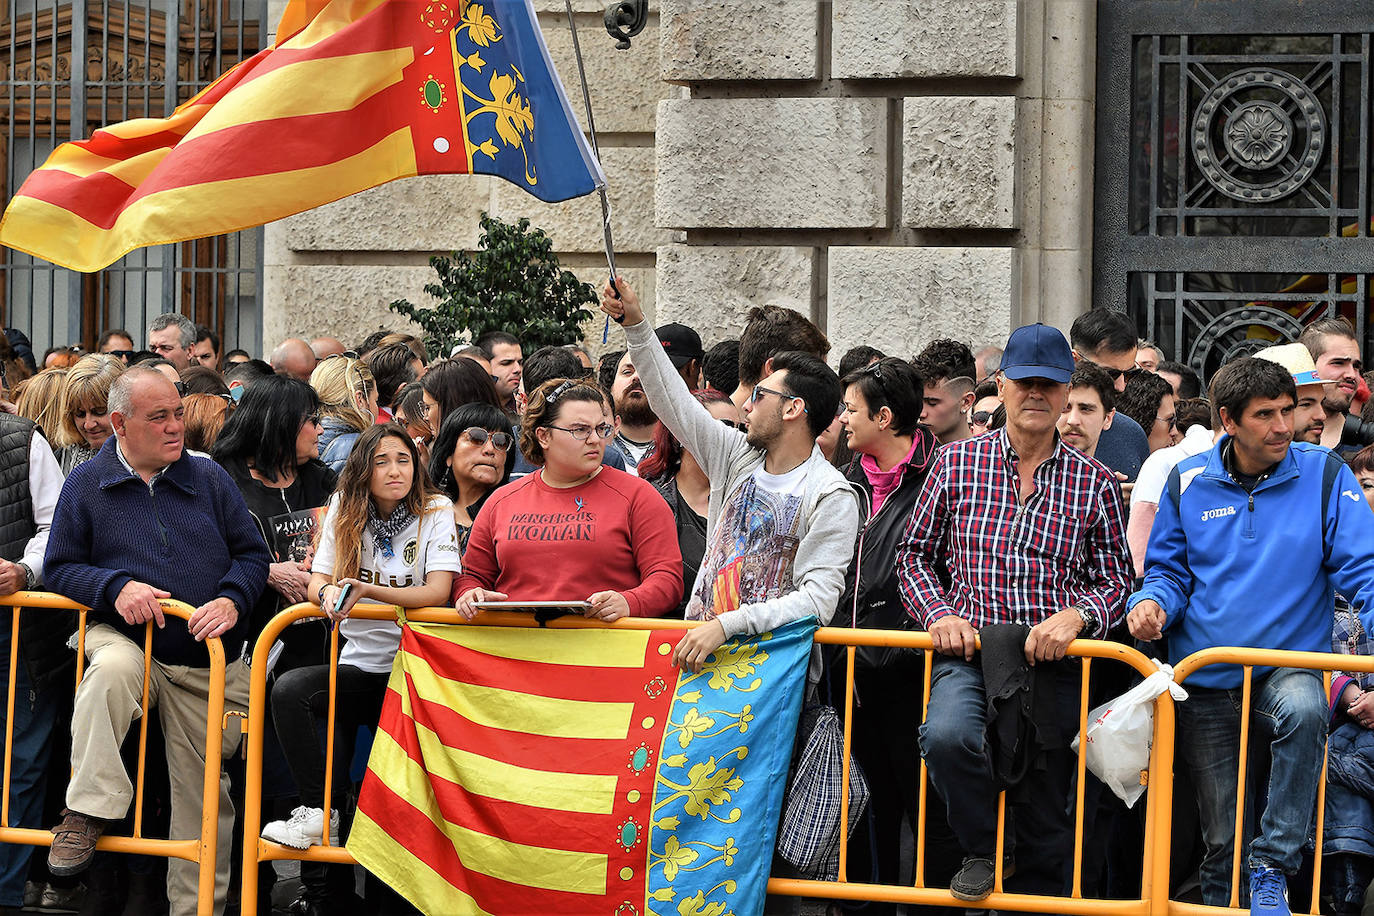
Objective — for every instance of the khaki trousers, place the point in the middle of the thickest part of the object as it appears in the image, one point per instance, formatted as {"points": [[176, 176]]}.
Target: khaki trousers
{"points": [[107, 704]]}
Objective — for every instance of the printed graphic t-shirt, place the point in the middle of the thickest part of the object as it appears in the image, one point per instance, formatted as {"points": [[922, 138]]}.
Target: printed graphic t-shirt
{"points": [[754, 544], [428, 544]]}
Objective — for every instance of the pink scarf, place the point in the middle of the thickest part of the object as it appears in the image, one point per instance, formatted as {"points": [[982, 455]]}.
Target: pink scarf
{"points": [[884, 482]]}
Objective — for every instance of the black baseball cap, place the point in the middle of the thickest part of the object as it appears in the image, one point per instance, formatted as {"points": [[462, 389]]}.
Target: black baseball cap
{"points": [[680, 342]]}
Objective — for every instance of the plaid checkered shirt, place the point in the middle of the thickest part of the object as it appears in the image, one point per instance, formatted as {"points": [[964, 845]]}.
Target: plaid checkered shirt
{"points": [[1010, 562]]}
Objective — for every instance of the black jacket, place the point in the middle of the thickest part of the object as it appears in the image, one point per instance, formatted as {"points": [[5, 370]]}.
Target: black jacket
{"points": [[873, 571]]}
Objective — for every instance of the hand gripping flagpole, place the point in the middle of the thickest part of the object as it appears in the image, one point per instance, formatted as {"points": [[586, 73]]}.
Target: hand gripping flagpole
{"points": [[591, 130]]}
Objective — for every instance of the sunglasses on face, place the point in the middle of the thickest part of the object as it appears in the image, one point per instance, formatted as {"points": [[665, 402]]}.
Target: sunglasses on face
{"points": [[125, 355], [479, 436], [759, 391], [981, 417], [1117, 373]]}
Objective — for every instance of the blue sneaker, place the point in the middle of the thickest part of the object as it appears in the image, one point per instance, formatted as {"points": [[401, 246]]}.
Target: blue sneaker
{"points": [[1268, 892]]}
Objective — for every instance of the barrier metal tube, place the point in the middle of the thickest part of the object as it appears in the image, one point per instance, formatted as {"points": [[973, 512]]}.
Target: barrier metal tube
{"points": [[1153, 900], [1249, 659], [200, 849]]}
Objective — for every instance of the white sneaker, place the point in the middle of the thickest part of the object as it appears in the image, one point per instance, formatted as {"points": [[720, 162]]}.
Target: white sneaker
{"points": [[303, 829]]}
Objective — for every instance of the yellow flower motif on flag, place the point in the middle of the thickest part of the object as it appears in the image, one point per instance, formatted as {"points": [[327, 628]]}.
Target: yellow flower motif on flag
{"points": [[676, 856], [481, 28]]}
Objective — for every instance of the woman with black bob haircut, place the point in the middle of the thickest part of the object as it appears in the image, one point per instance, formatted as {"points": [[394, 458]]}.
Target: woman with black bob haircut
{"points": [[881, 414], [472, 456]]}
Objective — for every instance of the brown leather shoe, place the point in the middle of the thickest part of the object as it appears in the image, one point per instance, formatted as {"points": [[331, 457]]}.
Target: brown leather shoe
{"points": [[73, 843]]}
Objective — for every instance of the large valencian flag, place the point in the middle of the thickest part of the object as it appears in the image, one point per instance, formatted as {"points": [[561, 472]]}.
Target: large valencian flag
{"points": [[575, 771], [352, 94]]}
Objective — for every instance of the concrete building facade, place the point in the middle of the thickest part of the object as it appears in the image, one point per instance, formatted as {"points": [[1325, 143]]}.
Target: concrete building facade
{"points": [[896, 169]]}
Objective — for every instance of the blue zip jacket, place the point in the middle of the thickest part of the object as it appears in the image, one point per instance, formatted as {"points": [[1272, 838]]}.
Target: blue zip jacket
{"points": [[1259, 569]]}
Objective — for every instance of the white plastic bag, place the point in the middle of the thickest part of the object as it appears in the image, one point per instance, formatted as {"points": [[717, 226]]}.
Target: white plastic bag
{"points": [[1120, 732]]}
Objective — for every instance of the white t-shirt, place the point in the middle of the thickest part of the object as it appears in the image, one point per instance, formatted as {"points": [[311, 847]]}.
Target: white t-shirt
{"points": [[428, 544], [1154, 473], [753, 545]]}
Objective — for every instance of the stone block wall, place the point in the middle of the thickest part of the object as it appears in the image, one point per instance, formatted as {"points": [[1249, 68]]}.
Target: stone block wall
{"points": [[896, 169]]}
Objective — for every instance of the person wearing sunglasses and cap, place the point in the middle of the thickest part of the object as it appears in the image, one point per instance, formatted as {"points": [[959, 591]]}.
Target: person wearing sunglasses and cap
{"points": [[1012, 528], [1107, 338]]}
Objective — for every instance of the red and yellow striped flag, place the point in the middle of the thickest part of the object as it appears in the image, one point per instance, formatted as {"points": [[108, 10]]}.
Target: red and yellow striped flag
{"points": [[575, 771], [353, 94]]}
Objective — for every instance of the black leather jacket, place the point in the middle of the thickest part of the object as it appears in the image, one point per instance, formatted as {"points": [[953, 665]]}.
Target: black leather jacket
{"points": [[873, 571]]}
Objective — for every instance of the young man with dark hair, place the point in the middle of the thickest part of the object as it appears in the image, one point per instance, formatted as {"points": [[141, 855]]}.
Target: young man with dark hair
{"points": [[781, 522], [205, 351], [1090, 410], [636, 421], [1283, 524], [720, 367], [1108, 338], [1336, 350], [968, 566], [1184, 380], [772, 329], [858, 357], [118, 342], [503, 352], [393, 367], [948, 368]]}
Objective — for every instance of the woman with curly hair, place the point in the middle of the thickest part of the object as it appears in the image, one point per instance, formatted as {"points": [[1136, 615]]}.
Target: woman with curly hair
{"points": [[574, 530]]}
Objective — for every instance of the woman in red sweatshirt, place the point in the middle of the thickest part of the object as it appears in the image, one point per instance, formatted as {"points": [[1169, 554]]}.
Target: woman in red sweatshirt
{"points": [[575, 530]]}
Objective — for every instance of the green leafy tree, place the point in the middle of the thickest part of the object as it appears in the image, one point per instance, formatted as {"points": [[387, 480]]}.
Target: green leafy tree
{"points": [[512, 283]]}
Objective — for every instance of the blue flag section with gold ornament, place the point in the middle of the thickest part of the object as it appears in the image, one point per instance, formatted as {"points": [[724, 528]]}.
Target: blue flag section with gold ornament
{"points": [[576, 771], [516, 119]]}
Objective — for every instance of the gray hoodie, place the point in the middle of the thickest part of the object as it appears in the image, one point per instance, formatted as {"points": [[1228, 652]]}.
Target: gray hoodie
{"points": [[829, 521]]}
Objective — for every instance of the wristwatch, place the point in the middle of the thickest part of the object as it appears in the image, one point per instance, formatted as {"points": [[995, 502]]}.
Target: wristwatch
{"points": [[1089, 624], [30, 580]]}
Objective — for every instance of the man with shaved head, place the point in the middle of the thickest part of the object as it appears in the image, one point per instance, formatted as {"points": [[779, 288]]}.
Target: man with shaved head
{"points": [[140, 522], [293, 357], [327, 346]]}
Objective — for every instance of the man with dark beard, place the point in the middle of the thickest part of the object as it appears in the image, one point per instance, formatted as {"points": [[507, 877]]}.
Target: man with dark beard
{"points": [[1336, 350], [636, 420]]}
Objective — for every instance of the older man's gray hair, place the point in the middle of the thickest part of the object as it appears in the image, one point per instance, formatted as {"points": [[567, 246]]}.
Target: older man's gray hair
{"points": [[121, 400], [186, 326]]}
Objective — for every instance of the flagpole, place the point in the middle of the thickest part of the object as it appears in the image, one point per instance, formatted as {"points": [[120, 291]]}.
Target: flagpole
{"points": [[591, 129]]}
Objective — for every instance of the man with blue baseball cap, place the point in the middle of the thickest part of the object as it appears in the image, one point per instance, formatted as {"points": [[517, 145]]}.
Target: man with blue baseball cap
{"points": [[1033, 536]]}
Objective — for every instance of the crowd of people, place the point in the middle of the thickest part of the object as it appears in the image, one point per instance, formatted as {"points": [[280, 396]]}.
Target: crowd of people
{"points": [[1006, 500]]}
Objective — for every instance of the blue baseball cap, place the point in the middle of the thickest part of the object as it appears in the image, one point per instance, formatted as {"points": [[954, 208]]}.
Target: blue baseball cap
{"points": [[1038, 351]]}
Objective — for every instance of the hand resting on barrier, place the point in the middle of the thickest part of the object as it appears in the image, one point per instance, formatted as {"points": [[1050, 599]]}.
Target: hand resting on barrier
{"points": [[1146, 620], [137, 603], [465, 601], [213, 618]]}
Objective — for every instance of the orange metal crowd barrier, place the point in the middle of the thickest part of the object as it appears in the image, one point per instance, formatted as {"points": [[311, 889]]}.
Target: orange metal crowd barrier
{"points": [[199, 849], [1248, 659], [1155, 862]]}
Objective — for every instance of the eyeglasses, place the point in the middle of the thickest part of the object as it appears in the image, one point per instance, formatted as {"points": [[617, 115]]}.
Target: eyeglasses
{"points": [[759, 391], [584, 433], [180, 387], [1117, 373], [125, 355], [981, 417], [479, 436], [1169, 422], [312, 418]]}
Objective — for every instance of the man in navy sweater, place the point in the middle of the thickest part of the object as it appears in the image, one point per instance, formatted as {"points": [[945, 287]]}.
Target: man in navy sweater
{"points": [[141, 521]]}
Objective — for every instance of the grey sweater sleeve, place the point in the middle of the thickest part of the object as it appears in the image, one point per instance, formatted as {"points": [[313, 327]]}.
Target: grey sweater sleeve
{"points": [[818, 570], [711, 442]]}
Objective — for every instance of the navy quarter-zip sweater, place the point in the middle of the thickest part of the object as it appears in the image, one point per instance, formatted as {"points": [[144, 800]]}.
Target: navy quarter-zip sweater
{"points": [[190, 534]]}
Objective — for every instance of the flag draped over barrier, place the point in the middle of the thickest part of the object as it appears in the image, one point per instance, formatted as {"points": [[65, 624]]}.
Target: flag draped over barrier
{"points": [[353, 94], [541, 772]]}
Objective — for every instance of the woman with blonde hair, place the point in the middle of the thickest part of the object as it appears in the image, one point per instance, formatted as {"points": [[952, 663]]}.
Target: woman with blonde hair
{"points": [[348, 405], [39, 398], [85, 409]]}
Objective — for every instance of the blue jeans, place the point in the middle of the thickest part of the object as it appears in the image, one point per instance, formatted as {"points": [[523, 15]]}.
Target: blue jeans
{"points": [[954, 743], [35, 717], [1288, 710]]}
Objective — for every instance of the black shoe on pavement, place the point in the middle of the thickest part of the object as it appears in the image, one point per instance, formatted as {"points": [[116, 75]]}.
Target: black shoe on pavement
{"points": [[974, 880]]}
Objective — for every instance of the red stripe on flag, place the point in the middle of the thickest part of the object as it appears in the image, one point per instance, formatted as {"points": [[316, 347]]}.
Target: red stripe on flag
{"points": [[430, 845], [529, 825], [572, 682], [97, 198], [106, 144]]}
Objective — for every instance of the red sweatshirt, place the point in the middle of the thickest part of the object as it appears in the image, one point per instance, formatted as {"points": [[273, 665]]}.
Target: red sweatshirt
{"points": [[539, 543]]}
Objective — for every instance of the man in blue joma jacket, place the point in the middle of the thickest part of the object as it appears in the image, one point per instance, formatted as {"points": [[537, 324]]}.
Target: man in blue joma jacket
{"points": [[1251, 540]]}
